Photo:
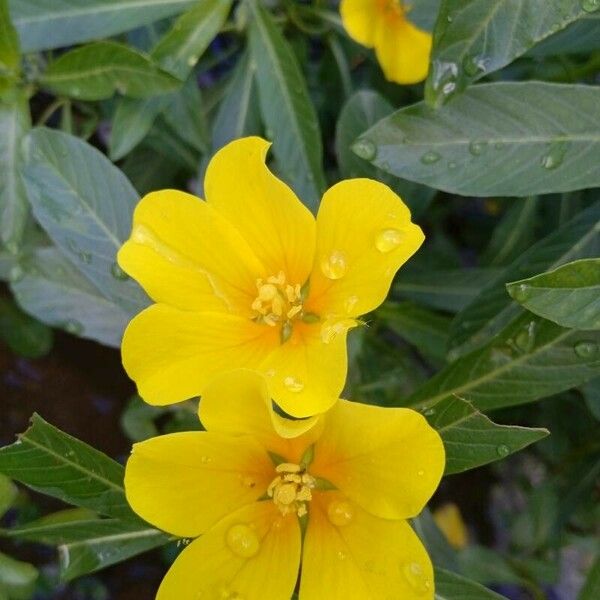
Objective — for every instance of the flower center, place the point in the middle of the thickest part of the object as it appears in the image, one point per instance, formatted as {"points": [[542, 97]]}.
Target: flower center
{"points": [[279, 303], [291, 489]]}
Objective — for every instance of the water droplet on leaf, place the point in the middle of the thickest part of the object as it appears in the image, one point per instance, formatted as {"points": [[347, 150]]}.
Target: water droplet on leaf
{"points": [[118, 273], [590, 5], [555, 156], [477, 148], [73, 327], [430, 158], [16, 273], [503, 450], [365, 148], [586, 349]]}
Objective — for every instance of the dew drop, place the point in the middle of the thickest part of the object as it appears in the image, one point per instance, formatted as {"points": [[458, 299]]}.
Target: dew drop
{"points": [[475, 65], [388, 240], [520, 293], [590, 5], [73, 327], [477, 148], [554, 156], [293, 384], [340, 513], [420, 472], [365, 148], [429, 412], [525, 339], [503, 450], [334, 266], [330, 331], [430, 158], [341, 555], [16, 273], [118, 273], [586, 349], [243, 541], [12, 247], [205, 459], [192, 60], [452, 165], [416, 577]]}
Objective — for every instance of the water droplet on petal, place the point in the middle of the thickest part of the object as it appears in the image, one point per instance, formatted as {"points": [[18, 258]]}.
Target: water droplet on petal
{"points": [[420, 472], [118, 273], [430, 157], [341, 555], [340, 513], [243, 541], [205, 459], [503, 450], [416, 577], [293, 384], [350, 303], [388, 240], [586, 349], [334, 266], [365, 148]]}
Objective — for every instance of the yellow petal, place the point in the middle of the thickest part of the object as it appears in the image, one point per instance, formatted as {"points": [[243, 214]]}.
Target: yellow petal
{"points": [[360, 20], [239, 403], [180, 246], [212, 569], [361, 556], [306, 375], [364, 235], [265, 211], [448, 518], [388, 460], [171, 354], [185, 482], [402, 50]]}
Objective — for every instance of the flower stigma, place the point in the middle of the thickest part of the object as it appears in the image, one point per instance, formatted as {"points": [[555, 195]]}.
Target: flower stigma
{"points": [[291, 489]]}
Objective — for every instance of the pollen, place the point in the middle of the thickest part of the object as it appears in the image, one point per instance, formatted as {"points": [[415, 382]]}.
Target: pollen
{"points": [[291, 489], [278, 303]]}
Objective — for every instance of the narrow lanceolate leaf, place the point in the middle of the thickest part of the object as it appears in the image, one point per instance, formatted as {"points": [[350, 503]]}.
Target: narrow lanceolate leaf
{"points": [[450, 289], [89, 545], [85, 204], [238, 114], [9, 42], [580, 37], [46, 24], [14, 124], [360, 112], [51, 289], [438, 547], [569, 295], [493, 308], [471, 439], [450, 586], [181, 47], [531, 359], [497, 139], [286, 108], [54, 463], [475, 37], [98, 70]]}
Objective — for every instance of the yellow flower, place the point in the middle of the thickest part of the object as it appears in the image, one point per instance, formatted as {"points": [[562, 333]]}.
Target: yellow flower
{"points": [[402, 49], [249, 279], [352, 480], [448, 518]]}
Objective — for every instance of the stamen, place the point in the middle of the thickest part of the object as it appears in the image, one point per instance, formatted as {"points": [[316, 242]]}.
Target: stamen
{"points": [[291, 489]]}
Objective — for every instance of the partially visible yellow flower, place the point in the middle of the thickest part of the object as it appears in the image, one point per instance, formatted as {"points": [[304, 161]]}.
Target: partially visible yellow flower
{"points": [[249, 279], [448, 518], [352, 480], [402, 49]]}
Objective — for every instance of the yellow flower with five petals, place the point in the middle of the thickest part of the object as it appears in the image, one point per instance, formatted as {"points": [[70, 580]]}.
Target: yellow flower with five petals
{"points": [[402, 48], [249, 279], [351, 481]]}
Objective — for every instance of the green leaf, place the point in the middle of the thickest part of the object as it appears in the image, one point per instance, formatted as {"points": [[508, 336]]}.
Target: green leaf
{"points": [[514, 233], [238, 114], [473, 38], [46, 24], [86, 546], [591, 587], [530, 359], [493, 308], [98, 70], [441, 552], [137, 420], [427, 331], [9, 42], [132, 121], [450, 586], [449, 290], [591, 393], [24, 336], [496, 139], [181, 47], [8, 494], [85, 204], [568, 295], [14, 124], [54, 291], [360, 112], [17, 578], [580, 37], [488, 566], [54, 463], [286, 108], [471, 439]]}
